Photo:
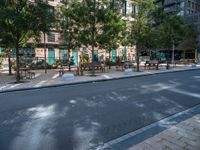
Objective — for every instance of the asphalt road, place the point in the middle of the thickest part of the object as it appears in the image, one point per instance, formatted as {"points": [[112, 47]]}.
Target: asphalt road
{"points": [[78, 117]]}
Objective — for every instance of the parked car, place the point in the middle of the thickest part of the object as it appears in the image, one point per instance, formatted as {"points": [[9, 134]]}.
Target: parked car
{"points": [[39, 65]]}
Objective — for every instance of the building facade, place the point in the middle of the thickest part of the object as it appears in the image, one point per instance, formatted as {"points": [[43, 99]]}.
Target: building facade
{"points": [[55, 51], [189, 9]]}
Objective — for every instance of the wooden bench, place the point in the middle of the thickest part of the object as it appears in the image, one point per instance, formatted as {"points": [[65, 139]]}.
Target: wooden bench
{"points": [[124, 65], [152, 64], [89, 67]]}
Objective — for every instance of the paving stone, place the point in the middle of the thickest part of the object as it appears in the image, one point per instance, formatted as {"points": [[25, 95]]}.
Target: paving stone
{"points": [[155, 145], [191, 147], [146, 146], [136, 148], [178, 137], [189, 142], [169, 144], [173, 140], [187, 135], [188, 128], [172, 134]]}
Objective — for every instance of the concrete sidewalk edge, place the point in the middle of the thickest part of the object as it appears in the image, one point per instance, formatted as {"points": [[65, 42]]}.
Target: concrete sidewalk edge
{"points": [[98, 80]]}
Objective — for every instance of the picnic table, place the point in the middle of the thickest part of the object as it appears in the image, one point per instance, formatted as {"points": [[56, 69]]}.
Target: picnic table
{"points": [[26, 73], [63, 69], [124, 65], [90, 66], [152, 64]]}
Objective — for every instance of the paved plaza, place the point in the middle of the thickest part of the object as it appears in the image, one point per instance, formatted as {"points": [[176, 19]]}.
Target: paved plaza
{"points": [[52, 77]]}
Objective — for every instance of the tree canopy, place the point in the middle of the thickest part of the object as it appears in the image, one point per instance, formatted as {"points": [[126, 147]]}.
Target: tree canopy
{"points": [[21, 20]]}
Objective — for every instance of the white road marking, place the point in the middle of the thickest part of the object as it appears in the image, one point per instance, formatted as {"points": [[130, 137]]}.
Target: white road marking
{"points": [[40, 83], [55, 76], [106, 76], [14, 86]]}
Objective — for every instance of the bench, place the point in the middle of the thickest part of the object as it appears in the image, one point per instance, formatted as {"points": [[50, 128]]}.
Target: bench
{"points": [[90, 66], [152, 64], [63, 70], [30, 75], [124, 65]]}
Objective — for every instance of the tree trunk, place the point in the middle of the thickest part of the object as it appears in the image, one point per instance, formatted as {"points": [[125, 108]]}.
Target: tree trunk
{"points": [[9, 64], [168, 52], [173, 49], [69, 61], [45, 54], [109, 59], [93, 68], [137, 59], [93, 37], [17, 61]]}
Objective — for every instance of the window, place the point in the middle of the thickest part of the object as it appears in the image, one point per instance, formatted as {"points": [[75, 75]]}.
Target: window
{"points": [[189, 4], [182, 4], [51, 37], [133, 9], [181, 13], [192, 5], [124, 8]]}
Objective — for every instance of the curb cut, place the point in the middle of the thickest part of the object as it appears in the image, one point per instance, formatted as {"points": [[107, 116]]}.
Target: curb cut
{"points": [[97, 80]]}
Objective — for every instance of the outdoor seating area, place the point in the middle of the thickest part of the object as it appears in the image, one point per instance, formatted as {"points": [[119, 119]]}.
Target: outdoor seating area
{"points": [[125, 65], [153, 64], [26, 73], [90, 66], [63, 69]]}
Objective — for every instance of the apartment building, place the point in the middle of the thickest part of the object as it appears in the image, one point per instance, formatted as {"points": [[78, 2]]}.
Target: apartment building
{"points": [[54, 43], [189, 9], [55, 49]]}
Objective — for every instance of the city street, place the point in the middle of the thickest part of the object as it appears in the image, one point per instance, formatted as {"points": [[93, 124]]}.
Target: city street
{"points": [[77, 117]]}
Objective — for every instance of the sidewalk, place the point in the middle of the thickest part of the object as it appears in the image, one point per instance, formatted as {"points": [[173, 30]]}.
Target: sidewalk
{"points": [[177, 132], [183, 136], [52, 77]]}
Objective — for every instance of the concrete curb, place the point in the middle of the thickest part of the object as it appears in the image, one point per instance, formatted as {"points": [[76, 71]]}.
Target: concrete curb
{"points": [[98, 80]]}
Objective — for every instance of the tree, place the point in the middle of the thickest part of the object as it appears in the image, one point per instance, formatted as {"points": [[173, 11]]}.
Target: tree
{"points": [[140, 26], [19, 22], [189, 41], [69, 25], [172, 31], [113, 31], [46, 22], [92, 18]]}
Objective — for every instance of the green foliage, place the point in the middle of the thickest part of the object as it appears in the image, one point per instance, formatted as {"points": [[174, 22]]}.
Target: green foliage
{"points": [[113, 30], [172, 30], [189, 41], [92, 17], [21, 20], [141, 25], [69, 24]]}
